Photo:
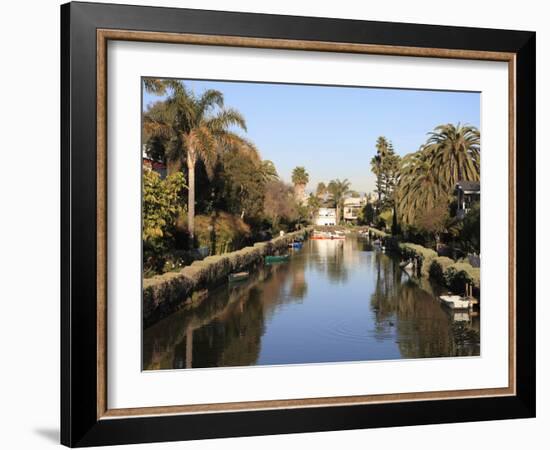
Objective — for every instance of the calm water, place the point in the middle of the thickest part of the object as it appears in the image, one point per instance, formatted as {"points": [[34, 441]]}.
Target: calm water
{"points": [[334, 301]]}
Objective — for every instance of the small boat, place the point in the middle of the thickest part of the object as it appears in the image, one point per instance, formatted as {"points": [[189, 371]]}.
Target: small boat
{"points": [[238, 276], [456, 302], [275, 259], [297, 245]]}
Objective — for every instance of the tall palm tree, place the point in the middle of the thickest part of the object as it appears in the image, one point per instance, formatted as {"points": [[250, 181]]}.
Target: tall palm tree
{"points": [[300, 178], [338, 189], [456, 153], [195, 128]]}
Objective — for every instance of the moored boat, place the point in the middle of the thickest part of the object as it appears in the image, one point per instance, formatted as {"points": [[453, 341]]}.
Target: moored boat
{"points": [[238, 276], [296, 245], [456, 302], [274, 259]]}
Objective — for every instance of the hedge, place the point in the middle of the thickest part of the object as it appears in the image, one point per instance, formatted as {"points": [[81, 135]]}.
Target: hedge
{"points": [[438, 267]]}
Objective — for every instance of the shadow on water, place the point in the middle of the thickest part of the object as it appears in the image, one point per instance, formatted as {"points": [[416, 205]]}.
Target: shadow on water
{"points": [[334, 301]]}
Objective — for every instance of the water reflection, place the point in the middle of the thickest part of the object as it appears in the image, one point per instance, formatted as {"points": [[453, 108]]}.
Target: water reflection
{"points": [[334, 301]]}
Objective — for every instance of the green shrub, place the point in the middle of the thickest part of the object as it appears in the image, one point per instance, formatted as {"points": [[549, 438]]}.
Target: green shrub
{"points": [[438, 267], [472, 273], [422, 254], [456, 280], [221, 232]]}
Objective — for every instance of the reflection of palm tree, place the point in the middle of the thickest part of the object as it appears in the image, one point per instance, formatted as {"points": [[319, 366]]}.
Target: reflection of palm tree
{"points": [[298, 288]]}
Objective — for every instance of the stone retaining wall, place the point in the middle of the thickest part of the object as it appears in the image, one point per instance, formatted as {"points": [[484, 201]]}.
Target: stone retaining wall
{"points": [[166, 293]]}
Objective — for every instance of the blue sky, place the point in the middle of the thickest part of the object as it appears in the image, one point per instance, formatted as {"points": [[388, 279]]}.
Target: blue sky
{"points": [[332, 131]]}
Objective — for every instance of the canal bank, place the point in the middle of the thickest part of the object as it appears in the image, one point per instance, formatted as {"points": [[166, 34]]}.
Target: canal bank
{"points": [[166, 293]]}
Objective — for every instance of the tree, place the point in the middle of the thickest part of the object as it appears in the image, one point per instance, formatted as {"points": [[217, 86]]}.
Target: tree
{"points": [[385, 165], [434, 221], [313, 204], [470, 233], [419, 188], [321, 190], [455, 154], [160, 207], [300, 178], [368, 213], [338, 189], [194, 128], [429, 176], [268, 172], [243, 185], [279, 203]]}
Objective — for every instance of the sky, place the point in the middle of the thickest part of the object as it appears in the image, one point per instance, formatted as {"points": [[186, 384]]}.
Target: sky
{"points": [[332, 131]]}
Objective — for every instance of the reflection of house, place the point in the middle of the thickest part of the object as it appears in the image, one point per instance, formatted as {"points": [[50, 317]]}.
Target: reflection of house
{"points": [[353, 207], [326, 216], [467, 193], [157, 166]]}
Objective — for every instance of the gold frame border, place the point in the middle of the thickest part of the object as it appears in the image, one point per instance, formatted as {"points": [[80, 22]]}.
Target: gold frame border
{"points": [[103, 36]]}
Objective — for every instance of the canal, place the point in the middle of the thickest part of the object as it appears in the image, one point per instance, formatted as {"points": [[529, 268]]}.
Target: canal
{"points": [[334, 301]]}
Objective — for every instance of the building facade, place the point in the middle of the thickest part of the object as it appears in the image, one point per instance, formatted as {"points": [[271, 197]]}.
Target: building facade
{"points": [[467, 193], [326, 217], [353, 207]]}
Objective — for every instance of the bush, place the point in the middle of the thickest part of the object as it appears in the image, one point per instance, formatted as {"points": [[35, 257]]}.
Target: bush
{"points": [[221, 232], [472, 273], [456, 280], [438, 267]]}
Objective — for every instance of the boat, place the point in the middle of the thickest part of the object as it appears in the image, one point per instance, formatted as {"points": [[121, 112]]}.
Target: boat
{"points": [[275, 259], [297, 245], [320, 235], [456, 302], [238, 276]]}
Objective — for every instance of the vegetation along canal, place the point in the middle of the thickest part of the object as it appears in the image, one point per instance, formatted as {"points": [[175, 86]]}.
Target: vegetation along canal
{"points": [[333, 301]]}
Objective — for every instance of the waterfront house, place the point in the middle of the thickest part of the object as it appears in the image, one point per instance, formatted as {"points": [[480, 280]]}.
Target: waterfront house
{"points": [[353, 207], [326, 217], [467, 193]]}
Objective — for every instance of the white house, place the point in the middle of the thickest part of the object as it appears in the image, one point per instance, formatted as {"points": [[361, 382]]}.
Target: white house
{"points": [[326, 216]]}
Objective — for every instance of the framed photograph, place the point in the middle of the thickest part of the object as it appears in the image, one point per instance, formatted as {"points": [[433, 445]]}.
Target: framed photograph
{"points": [[276, 224]]}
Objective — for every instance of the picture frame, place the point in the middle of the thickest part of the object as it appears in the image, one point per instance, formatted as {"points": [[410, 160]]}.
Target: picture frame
{"points": [[86, 418]]}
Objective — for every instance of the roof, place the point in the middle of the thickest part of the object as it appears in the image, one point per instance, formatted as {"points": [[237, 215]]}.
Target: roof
{"points": [[468, 185]]}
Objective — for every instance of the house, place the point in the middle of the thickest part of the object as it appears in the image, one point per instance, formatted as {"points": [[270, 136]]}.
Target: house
{"points": [[151, 164], [326, 217], [467, 193], [353, 207]]}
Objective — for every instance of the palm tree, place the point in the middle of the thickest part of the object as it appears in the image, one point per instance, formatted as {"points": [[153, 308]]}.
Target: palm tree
{"points": [[338, 189], [195, 128], [313, 204], [321, 190], [419, 188], [429, 176], [456, 153], [300, 178], [268, 172]]}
